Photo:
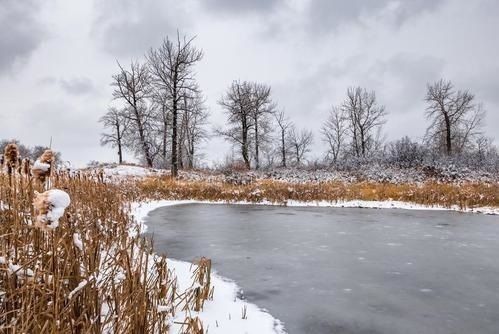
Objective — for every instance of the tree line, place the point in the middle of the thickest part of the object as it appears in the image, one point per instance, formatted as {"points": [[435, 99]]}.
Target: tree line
{"points": [[161, 116]]}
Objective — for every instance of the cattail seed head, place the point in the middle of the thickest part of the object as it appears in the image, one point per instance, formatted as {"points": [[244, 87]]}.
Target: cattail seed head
{"points": [[47, 157], [11, 156], [42, 167], [49, 207], [25, 166]]}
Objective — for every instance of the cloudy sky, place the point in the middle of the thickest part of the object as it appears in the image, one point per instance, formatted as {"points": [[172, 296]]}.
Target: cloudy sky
{"points": [[57, 58]]}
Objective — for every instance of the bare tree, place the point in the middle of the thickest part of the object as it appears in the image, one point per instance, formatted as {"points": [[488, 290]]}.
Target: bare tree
{"points": [[284, 125], [133, 87], [237, 104], [300, 142], [454, 115], [365, 118], [334, 132], [171, 66], [194, 126], [262, 107], [116, 121], [162, 117]]}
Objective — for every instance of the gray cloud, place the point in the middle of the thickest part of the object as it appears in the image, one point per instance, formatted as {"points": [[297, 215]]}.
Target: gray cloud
{"points": [[129, 28], [72, 86], [401, 80], [48, 80], [73, 131], [309, 51], [327, 15], [77, 86], [241, 6], [21, 32]]}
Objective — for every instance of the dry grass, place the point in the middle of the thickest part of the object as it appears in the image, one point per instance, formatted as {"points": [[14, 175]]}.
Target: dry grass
{"points": [[465, 195], [111, 282]]}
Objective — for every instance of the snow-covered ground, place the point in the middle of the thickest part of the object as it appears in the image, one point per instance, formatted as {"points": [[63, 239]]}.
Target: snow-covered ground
{"points": [[130, 171]]}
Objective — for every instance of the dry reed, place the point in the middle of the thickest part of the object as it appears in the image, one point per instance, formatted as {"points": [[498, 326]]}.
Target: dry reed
{"points": [[464, 195], [88, 275]]}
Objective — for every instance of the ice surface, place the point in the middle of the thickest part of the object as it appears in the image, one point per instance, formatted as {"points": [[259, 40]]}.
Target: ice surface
{"points": [[424, 285]]}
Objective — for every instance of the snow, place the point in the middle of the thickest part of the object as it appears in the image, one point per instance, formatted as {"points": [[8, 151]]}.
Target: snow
{"points": [[80, 286], [77, 241], [224, 314], [129, 171], [20, 271], [38, 165], [59, 201]]}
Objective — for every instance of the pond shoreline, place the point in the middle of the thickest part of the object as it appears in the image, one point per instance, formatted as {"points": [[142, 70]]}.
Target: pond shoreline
{"points": [[141, 209]]}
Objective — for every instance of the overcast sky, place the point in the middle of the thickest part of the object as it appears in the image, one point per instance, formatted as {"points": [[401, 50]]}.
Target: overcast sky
{"points": [[57, 58]]}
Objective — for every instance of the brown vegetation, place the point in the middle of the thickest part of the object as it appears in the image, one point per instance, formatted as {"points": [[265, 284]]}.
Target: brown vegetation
{"points": [[88, 275], [465, 195]]}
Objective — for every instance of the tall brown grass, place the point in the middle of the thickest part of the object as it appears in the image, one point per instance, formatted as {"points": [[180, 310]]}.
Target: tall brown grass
{"points": [[465, 195], [110, 282]]}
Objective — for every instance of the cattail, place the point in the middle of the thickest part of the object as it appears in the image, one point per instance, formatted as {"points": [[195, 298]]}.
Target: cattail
{"points": [[49, 207], [25, 166], [11, 156], [47, 157], [42, 167]]}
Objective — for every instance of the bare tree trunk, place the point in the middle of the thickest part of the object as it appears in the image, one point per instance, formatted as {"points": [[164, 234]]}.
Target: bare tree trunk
{"points": [[257, 153], [190, 161], [181, 143], [165, 140], [143, 141], [283, 147], [120, 151], [448, 134], [174, 168], [244, 148]]}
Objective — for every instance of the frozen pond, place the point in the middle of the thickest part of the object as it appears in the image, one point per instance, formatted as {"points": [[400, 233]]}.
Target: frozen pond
{"points": [[330, 270]]}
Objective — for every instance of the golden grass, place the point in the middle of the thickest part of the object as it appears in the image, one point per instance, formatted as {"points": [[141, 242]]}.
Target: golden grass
{"points": [[112, 282], [465, 195]]}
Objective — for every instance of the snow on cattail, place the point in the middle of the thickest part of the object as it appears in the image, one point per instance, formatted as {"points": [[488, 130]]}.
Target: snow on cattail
{"points": [[43, 165], [49, 207], [11, 157]]}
